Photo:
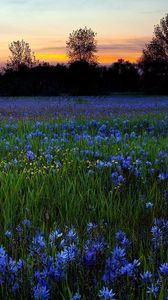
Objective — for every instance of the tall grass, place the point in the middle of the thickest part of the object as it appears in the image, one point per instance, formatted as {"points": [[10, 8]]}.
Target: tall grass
{"points": [[70, 189]]}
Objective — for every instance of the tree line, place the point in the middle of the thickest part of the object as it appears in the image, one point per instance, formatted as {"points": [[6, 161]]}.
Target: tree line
{"points": [[83, 75]]}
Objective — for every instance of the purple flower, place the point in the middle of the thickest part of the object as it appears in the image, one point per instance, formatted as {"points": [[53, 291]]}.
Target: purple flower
{"points": [[91, 227], [149, 205], [41, 292], [154, 289], [30, 155], [27, 223], [162, 176], [146, 276], [8, 234], [76, 297], [164, 269], [106, 294]]}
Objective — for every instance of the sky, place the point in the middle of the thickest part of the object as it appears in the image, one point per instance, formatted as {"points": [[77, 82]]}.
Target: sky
{"points": [[123, 27]]}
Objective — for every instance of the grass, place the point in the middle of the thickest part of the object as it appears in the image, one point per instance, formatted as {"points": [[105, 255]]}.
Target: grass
{"points": [[71, 190]]}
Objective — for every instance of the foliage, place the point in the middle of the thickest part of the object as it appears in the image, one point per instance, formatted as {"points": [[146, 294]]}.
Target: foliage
{"points": [[81, 46], [21, 56], [97, 190], [157, 49]]}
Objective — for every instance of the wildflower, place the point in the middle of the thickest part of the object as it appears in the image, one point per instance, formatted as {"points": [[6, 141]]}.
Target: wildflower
{"points": [[123, 241], [27, 223], [164, 269], [30, 155], [120, 179], [90, 256], [118, 253], [130, 269], [117, 179], [162, 177], [151, 171], [71, 235], [114, 264], [154, 289], [76, 297], [54, 235], [100, 164], [15, 161], [106, 294], [15, 287], [41, 292], [102, 128], [146, 277], [8, 234], [133, 134], [156, 232], [91, 227], [149, 205], [90, 172]]}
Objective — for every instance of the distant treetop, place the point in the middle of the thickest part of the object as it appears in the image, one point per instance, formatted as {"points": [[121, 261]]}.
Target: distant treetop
{"points": [[157, 49], [82, 46], [21, 56]]}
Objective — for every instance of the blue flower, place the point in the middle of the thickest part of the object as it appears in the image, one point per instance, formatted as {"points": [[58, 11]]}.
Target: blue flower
{"points": [[41, 292], [164, 269], [76, 297], [156, 232], [8, 234], [117, 179], [91, 227], [162, 176], [106, 294], [71, 235], [118, 253], [90, 256], [114, 264], [123, 241], [27, 223], [30, 155], [15, 287], [154, 289], [15, 161], [54, 235], [131, 269], [120, 235], [149, 205], [146, 277]]}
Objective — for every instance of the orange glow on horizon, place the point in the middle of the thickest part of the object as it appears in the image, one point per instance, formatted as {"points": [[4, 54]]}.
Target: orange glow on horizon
{"points": [[53, 58], [105, 59]]}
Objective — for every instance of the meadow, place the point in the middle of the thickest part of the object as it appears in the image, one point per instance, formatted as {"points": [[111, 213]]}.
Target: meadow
{"points": [[84, 199]]}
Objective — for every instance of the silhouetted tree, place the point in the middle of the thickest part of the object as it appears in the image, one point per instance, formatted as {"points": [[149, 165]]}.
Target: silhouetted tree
{"points": [[82, 46], [157, 49], [83, 78], [21, 56], [154, 61], [122, 76]]}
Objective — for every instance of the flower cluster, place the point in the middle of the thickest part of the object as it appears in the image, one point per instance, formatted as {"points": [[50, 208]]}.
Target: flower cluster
{"points": [[60, 259]]}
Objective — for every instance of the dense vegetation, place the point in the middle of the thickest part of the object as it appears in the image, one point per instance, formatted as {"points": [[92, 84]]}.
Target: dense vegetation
{"points": [[84, 209], [81, 78]]}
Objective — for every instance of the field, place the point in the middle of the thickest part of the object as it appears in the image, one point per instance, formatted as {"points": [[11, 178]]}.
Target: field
{"points": [[79, 107], [84, 198]]}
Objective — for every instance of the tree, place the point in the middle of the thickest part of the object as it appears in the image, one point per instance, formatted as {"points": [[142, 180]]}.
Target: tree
{"points": [[21, 56], [157, 49], [82, 46]]}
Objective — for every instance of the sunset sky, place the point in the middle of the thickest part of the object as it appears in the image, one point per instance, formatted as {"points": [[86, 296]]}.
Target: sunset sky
{"points": [[123, 26]]}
